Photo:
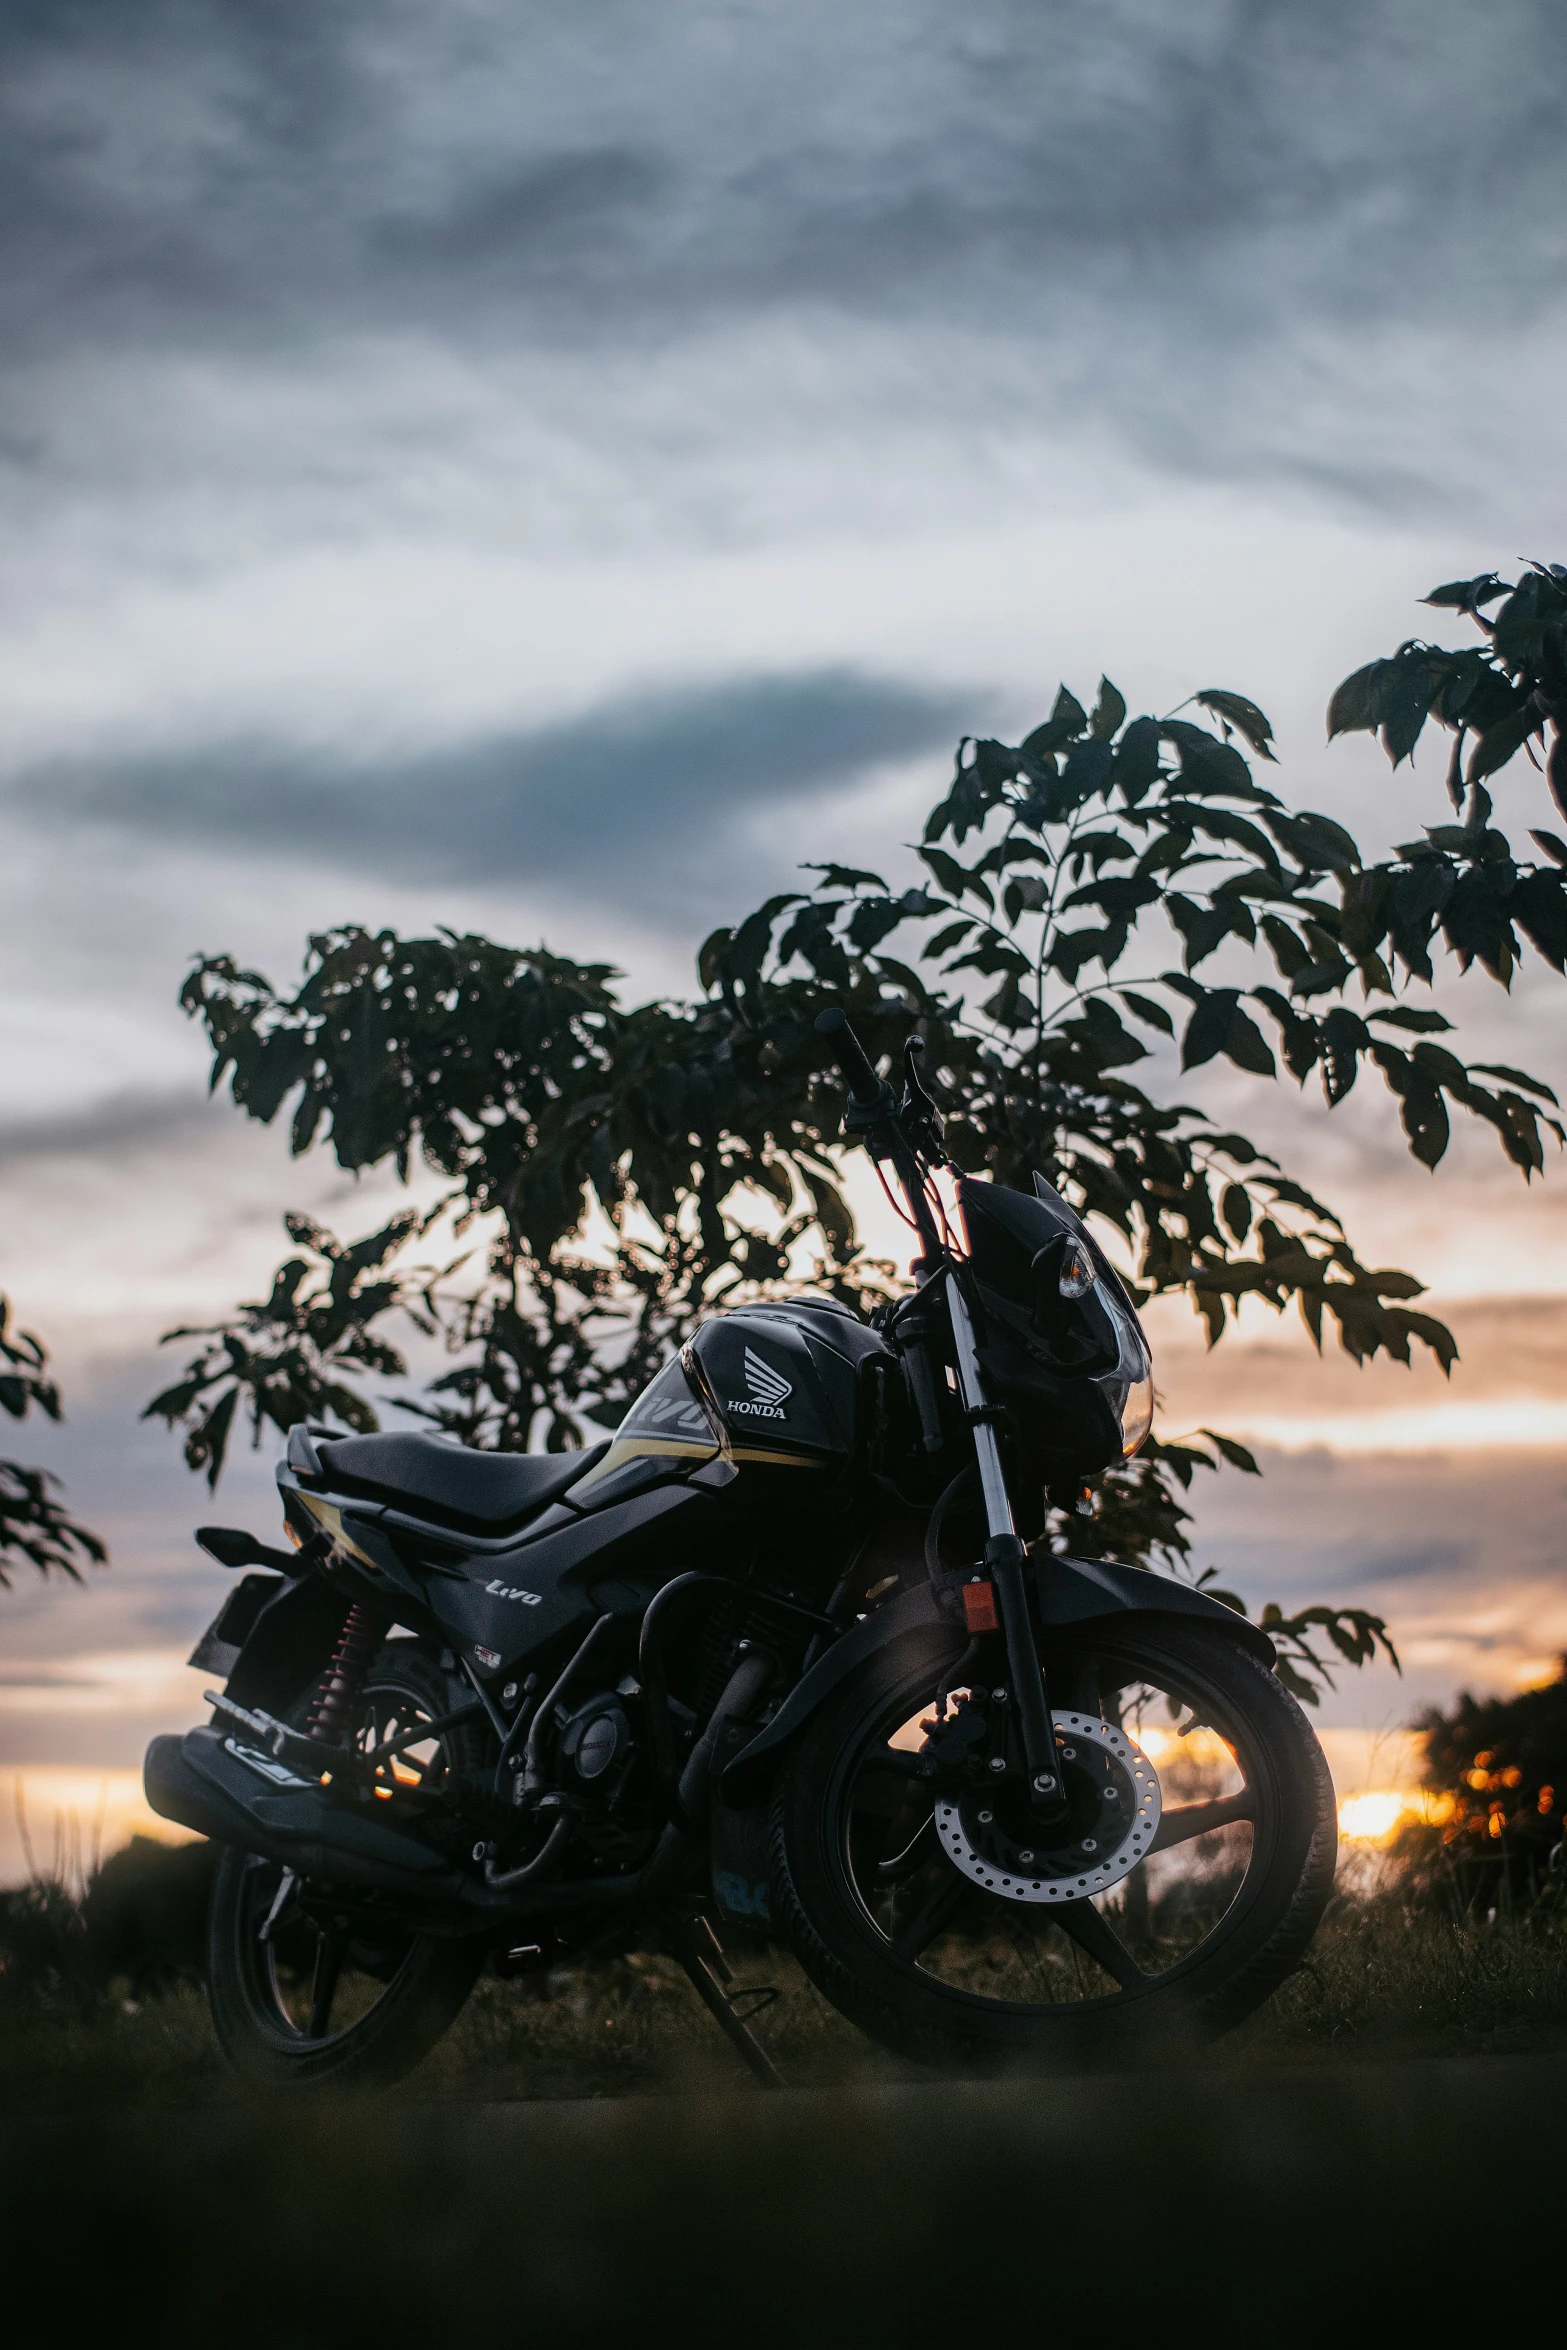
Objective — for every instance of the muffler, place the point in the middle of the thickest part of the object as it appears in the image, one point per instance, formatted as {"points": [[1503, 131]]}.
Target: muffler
{"points": [[223, 1787], [237, 1794]]}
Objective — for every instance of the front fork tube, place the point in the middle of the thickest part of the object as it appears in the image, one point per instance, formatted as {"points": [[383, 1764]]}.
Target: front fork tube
{"points": [[1004, 1563]]}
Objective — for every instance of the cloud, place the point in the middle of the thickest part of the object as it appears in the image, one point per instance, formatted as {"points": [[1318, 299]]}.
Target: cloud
{"points": [[194, 162], [107, 1129], [651, 792], [1167, 213]]}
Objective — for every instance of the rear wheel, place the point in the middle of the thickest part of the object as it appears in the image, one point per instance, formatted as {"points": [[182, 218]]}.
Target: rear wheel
{"points": [[308, 1983], [1184, 1887]]}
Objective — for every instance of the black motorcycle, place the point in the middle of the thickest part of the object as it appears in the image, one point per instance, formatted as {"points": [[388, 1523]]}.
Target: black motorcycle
{"points": [[776, 1659]]}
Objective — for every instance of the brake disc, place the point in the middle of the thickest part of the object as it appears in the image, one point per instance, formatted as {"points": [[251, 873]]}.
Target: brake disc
{"points": [[1112, 1792]]}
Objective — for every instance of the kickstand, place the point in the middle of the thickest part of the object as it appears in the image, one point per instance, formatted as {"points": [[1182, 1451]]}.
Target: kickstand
{"points": [[693, 1942]]}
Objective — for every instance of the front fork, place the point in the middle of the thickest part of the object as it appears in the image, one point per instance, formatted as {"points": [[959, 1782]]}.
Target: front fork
{"points": [[1004, 1563]]}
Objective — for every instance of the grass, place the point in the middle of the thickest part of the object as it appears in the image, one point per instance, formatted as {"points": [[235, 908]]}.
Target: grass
{"points": [[1388, 1976], [582, 2153]]}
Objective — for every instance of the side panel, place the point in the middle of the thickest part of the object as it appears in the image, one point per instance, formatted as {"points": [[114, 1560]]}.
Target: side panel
{"points": [[510, 1604], [499, 1605], [666, 1435]]}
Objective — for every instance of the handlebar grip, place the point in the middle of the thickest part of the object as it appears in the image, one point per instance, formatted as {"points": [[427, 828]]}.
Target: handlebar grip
{"points": [[865, 1087]]}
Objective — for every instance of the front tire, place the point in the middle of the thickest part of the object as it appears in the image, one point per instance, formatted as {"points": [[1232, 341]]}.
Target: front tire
{"points": [[308, 1987], [1199, 1932]]}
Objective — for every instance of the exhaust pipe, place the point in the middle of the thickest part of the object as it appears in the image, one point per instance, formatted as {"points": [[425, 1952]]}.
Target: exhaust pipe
{"points": [[237, 1794]]}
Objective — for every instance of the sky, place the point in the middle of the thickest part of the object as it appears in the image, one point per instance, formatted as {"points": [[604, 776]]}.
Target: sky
{"points": [[549, 471]]}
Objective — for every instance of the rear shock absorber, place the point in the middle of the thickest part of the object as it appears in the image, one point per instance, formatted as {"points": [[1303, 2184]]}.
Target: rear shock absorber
{"points": [[332, 1707]]}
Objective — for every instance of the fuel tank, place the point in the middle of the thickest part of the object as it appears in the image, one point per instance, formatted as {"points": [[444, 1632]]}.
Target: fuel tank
{"points": [[788, 1386], [770, 1397]]}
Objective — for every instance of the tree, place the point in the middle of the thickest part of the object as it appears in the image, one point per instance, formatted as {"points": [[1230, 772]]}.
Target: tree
{"points": [[703, 1135], [1498, 1768], [34, 1526]]}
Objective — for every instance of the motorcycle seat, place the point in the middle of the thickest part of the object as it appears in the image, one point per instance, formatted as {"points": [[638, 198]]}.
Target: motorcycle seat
{"points": [[431, 1475]]}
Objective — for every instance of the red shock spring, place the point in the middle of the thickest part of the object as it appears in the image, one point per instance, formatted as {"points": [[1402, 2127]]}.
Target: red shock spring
{"points": [[332, 1708]]}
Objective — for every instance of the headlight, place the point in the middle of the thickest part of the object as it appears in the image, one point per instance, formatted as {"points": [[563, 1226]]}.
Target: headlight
{"points": [[1136, 1416], [1129, 1387]]}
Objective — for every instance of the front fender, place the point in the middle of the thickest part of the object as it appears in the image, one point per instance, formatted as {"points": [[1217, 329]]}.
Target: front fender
{"points": [[1072, 1593]]}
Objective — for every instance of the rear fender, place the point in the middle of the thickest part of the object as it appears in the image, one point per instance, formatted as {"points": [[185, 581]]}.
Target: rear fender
{"points": [[290, 1645], [1073, 1593]]}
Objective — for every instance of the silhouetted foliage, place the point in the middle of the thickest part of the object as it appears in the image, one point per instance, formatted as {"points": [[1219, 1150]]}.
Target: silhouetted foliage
{"points": [[145, 1914], [1499, 1766], [1504, 693], [43, 1946], [695, 1142], [139, 1920], [33, 1525]]}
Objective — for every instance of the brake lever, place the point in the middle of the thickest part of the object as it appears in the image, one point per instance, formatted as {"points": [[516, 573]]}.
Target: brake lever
{"points": [[922, 1123]]}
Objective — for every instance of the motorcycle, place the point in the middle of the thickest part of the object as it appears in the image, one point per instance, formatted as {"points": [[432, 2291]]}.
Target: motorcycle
{"points": [[786, 1656]]}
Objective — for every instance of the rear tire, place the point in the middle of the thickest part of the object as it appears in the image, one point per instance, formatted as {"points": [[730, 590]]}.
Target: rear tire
{"points": [[1124, 1974], [334, 1996]]}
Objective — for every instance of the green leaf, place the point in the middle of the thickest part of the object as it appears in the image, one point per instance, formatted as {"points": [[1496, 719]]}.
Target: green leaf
{"points": [[1236, 1454], [1146, 1009], [1246, 1046], [1518, 1077], [1243, 715], [1356, 707], [1088, 771], [1466, 595], [1319, 844], [1204, 928], [1344, 1037], [1410, 684], [1235, 1207], [1539, 907], [845, 877], [1137, 759], [1499, 742], [990, 956], [1411, 1016], [1554, 847], [955, 879], [874, 919], [1070, 950], [1065, 723], [1025, 893], [1109, 713], [1298, 1033], [710, 956], [1208, 1029], [1119, 893], [740, 963], [1206, 763], [1290, 951]]}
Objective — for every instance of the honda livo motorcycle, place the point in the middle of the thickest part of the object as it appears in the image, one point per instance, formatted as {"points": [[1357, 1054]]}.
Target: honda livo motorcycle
{"points": [[786, 1656]]}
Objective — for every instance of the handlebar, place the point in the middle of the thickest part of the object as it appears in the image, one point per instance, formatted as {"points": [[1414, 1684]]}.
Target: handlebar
{"points": [[908, 1135], [865, 1087]]}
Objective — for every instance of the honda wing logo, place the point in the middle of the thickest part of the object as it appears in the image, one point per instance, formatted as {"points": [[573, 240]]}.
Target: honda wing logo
{"points": [[769, 1389]]}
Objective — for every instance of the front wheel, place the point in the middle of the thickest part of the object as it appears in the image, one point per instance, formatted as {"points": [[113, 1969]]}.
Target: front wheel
{"points": [[924, 1899]]}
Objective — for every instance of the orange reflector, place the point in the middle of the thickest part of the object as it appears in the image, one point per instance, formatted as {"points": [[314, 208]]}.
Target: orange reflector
{"points": [[979, 1607]]}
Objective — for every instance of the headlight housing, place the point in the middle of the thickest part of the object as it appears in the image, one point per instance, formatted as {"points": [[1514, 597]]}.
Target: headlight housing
{"points": [[1058, 1336]]}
